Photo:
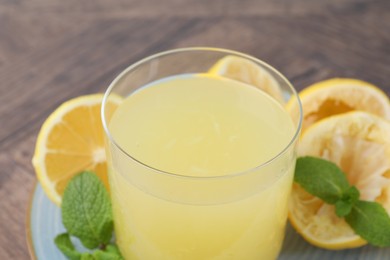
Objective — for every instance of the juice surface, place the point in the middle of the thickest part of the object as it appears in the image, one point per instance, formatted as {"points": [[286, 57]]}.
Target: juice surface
{"points": [[201, 126]]}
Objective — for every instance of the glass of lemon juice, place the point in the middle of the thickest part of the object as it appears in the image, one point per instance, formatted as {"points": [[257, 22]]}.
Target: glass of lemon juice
{"points": [[201, 154]]}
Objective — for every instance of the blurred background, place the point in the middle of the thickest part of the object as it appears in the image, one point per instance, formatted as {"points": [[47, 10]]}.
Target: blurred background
{"points": [[53, 50]]}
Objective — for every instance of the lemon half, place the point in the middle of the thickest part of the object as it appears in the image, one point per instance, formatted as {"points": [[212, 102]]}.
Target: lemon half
{"points": [[359, 143], [71, 140], [340, 95]]}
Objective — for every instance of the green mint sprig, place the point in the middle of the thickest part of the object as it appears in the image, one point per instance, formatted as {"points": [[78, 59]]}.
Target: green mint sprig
{"points": [[87, 215], [326, 181]]}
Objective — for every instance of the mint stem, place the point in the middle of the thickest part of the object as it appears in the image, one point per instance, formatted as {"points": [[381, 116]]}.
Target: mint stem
{"points": [[102, 246]]}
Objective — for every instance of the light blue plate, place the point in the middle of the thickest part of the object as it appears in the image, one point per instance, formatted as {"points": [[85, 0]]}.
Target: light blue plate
{"points": [[44, 223]]}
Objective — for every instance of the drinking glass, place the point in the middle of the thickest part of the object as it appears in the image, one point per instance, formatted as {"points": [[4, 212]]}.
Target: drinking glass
{"points": [[159, 214]]}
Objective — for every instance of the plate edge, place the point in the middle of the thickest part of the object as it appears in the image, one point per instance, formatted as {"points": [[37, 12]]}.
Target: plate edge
{"points": [[29, 241]]}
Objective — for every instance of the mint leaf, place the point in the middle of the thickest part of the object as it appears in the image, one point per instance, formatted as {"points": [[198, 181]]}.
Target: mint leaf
{"points": [[107, 255], [370, 221], [64, 244], [113, 248], [321, 178], [107, 229], [86, 210], [87, 256], [343, 208], [349, 198], [351, 195]]}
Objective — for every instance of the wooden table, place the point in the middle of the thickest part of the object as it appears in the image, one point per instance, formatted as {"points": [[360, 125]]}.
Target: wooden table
{"points": [[53, 50]]}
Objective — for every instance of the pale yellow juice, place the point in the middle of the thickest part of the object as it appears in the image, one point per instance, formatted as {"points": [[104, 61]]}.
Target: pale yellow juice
{"points": [[208, 134]]}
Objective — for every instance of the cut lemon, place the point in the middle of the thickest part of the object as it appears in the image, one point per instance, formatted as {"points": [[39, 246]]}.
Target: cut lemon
{"points": [[247, 71], [359, 143], [71, 140], [341, 95]]}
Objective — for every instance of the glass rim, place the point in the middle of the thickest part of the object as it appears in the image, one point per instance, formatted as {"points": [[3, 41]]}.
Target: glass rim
{"points": [[192, 49]]}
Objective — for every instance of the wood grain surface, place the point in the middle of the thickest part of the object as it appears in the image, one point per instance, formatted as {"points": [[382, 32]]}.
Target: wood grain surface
{"points": [[53, 50]]}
